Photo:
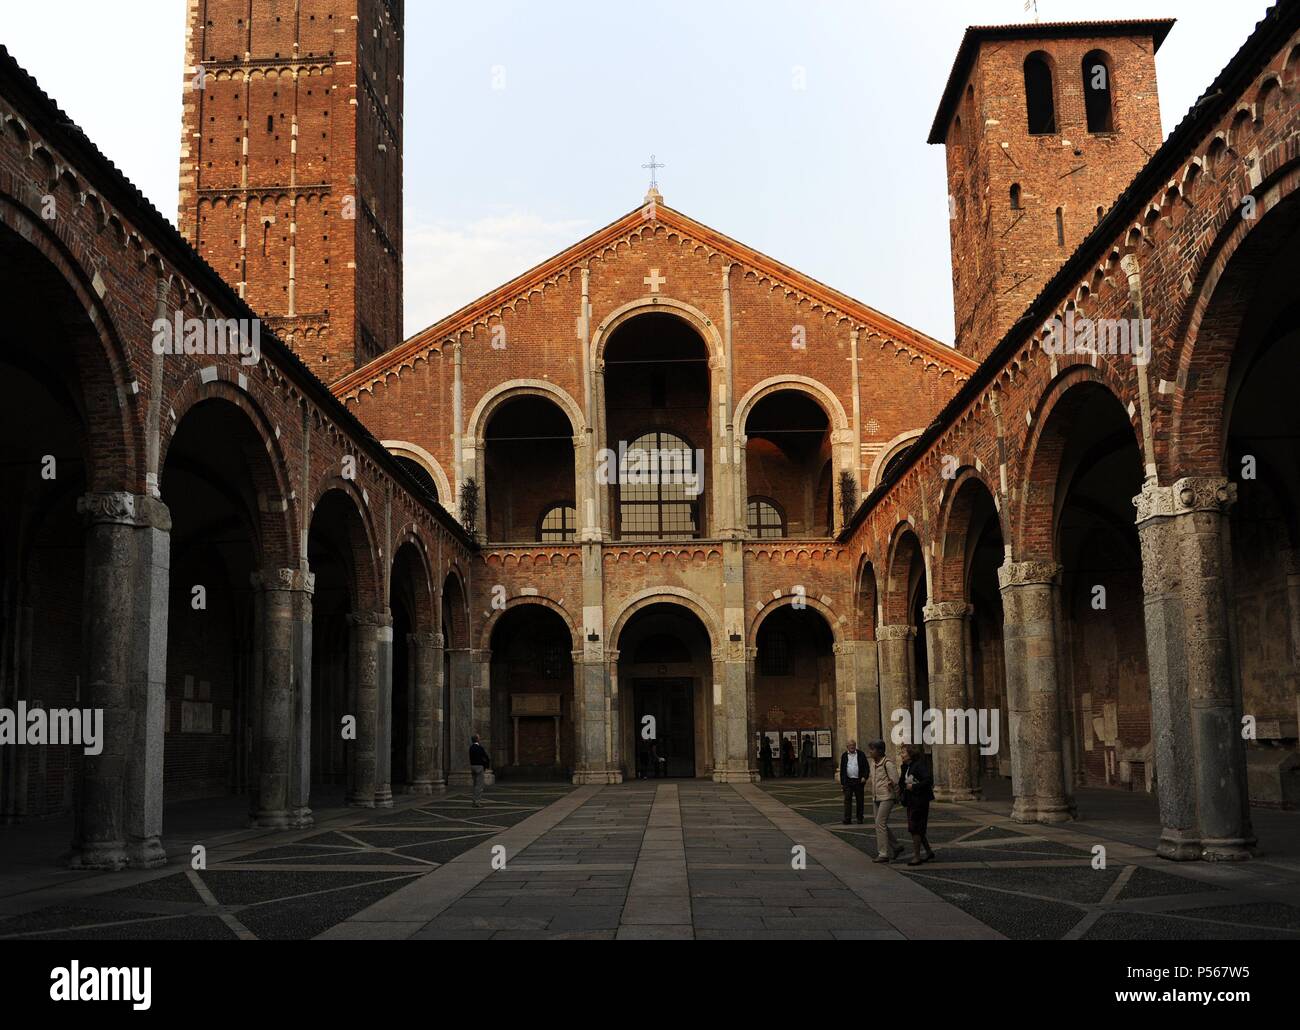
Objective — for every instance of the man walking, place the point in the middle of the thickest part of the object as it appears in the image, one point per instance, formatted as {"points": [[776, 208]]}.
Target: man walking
{"points": [[884, 792], [853, 778], [808, 757], [478, 765]]}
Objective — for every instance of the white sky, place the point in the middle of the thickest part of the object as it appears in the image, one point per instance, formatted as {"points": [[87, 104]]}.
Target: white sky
{"points": [[835, 179]]}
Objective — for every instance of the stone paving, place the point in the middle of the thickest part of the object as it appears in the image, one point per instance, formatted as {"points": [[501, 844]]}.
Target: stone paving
{"points": [[669, 860]]}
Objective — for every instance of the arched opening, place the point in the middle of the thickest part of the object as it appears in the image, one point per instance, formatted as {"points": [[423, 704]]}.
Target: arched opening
{"points": [[787, 456], [657, 427], [216, 470], [46, 442], [532, 694], [665, 671], [1040, 94], [1097, 91], [1015, 196], [901, 647], [336, 546], [455, 702], [528, 463], [411, 606], [794, 694], [1090, 464], [420, 474]]}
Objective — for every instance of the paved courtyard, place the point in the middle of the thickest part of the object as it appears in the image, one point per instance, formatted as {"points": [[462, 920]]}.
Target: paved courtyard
{"points": [[665, 859]]}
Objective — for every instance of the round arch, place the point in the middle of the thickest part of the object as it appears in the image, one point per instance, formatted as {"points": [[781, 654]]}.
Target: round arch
{"points": [[904, 544], [499, 395], [522, 601], [787, 600], [430, 464], [895, 447], [694, 317], [956, 509], [801, 384], [669, 595], [364, 547]]}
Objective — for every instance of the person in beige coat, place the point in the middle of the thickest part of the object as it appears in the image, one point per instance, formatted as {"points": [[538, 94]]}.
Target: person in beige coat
{"points": [[884, 793]]}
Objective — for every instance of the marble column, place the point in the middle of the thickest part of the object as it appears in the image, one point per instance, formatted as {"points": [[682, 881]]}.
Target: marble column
{"points": [[425, 650], [733, 753], [384, 711], [594, 728], [846, 695], [283, 671], [1033, 688], [119, 800], [363, 694], [895, 650], [461, 716], [946, 625], [1195, 708]]}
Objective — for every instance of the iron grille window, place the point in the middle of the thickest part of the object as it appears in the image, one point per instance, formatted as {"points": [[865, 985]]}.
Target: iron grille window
{"points": [[764, 518], [655, 498], [774, 654]]}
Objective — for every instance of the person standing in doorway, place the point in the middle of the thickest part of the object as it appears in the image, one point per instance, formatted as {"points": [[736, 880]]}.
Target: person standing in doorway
{"points": [[787, 757], [853, 779], [478, 765], [884, 792], [765, 756], [654, 759], [808, 757], [916, 785]]}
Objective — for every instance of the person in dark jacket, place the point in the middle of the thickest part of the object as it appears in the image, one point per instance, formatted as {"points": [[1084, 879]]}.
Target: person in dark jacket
{"points": [[916, 788], [853, 779], [765, 756], [478, 765], [788, 767], [807, 757]]}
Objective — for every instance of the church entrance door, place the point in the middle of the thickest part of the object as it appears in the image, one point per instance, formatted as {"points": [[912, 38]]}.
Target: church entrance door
{"points": [[671, 704]]}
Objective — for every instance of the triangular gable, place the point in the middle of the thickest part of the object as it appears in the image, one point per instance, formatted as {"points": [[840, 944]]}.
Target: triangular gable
{"points": [[631, 225]]}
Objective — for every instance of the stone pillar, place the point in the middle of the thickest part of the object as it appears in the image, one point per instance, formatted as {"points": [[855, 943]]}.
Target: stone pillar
{"points": [[363, 694], [733, 754], [119, 803], [593, 725], [897, 674], [283, 606], [384, 711], [846, 695], [480, 692], [946, 628], [426, 726], [1033, 704], [1200, 756], [867, 687], [462, 718]]}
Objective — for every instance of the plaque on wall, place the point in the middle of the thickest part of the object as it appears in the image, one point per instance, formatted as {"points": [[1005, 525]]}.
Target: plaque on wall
{"points": [[534, 704], [824, 744]]}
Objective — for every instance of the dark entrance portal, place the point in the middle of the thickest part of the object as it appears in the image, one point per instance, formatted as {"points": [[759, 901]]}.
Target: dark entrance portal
{"points": [[670, 702]]}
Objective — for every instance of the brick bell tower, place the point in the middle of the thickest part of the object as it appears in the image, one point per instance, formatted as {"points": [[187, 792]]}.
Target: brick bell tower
{"points": [[1045, 125], [291, 167]]}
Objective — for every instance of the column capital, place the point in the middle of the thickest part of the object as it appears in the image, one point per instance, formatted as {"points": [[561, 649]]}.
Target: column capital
{"points": [[1191, 493], [941, 611], [898, 631], [848, 647], [299, 580], [379, 618], [1023, 573], [425, 639], [124, 509]]}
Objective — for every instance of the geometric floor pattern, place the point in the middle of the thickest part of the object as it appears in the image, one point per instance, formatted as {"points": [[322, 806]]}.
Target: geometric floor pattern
{"points": [[298, 886], [1033, 882], [673, 859]]}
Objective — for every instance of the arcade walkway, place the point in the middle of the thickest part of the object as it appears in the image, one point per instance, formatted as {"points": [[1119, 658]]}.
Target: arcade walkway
{"points": [[678, 859]]}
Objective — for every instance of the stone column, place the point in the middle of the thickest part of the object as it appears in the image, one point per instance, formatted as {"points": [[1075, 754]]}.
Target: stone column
{"points": [[1200, 756], [867, 679], [119, 803], [897, 675], [1033, 704], [733, 757], [284, 598], [480, 692], [363, 694], [426, 726], [462, 718], [846, 695], [946, 626], [384, 711], [593, 727]]}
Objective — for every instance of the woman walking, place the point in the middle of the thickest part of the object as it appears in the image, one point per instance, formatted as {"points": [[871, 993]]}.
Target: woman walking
{"points": [[916, 787]]}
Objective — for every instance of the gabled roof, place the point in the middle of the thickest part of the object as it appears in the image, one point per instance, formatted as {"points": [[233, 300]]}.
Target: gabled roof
{"points": [[435, 335], [1156, 28]]}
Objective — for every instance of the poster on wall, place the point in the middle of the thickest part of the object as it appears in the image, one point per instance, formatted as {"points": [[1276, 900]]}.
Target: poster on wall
{"points": [[824, 749], [774, 739]]}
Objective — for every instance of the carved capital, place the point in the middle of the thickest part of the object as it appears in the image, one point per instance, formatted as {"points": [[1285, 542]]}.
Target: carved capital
{"points": [[941, 610], [1191, 493], [298, 580], [848, 647], [367, 619], [895, 632], [1023, 573], [424, 639], [124, 509]]}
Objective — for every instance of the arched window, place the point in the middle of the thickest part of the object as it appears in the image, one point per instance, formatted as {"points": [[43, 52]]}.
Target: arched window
{"points": [[560, 522], [1097, 92], [1060, 227], [764, 518], [659, 485], [1040, 94], [1015, 196]]}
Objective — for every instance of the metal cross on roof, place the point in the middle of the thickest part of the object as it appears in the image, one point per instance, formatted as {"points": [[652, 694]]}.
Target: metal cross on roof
{"points": [[653, 165]]}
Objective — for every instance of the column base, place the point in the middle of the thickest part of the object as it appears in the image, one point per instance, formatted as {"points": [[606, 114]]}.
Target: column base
{"points": [[360, 801], [109, 855], [272, 819], [1225, 850], [146, 854], [460, 779], [1024, 810], [735, 776], [946, 795], [1056, 811], [302, 819], [597, 776], [384, 797], [419, 787], [1178, 848]]}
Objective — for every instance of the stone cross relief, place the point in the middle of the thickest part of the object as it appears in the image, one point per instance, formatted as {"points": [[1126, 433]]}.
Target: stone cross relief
{"points": [[654, 280]]}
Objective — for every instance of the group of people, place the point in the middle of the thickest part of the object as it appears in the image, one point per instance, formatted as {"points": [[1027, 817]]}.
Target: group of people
{"points": [[802, 763], [912, 785]]}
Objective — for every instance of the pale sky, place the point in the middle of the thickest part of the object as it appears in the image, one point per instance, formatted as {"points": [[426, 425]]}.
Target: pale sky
{"points": [[527, 123]]}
